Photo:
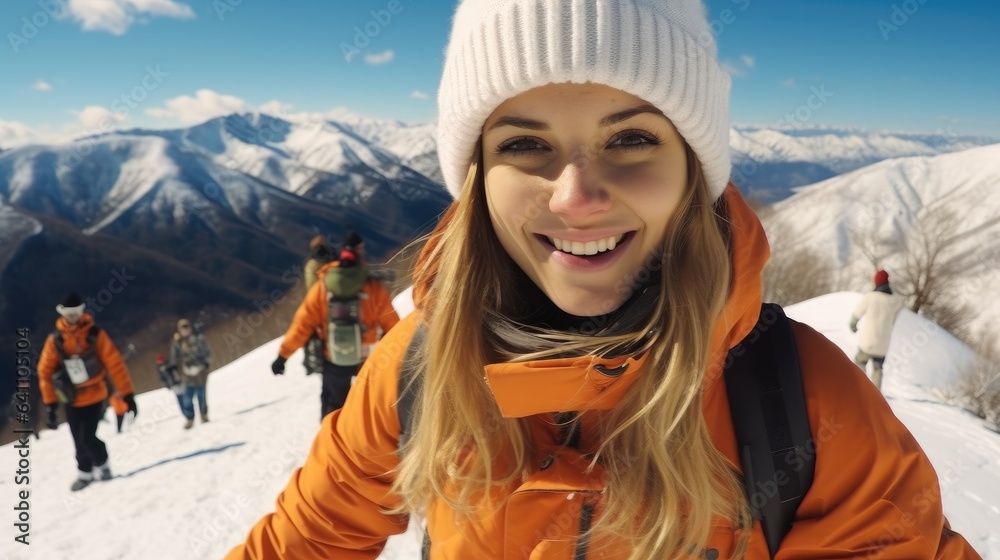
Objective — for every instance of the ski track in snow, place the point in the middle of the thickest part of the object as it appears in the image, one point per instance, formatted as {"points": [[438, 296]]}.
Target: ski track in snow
{"points": [[195, 494]]}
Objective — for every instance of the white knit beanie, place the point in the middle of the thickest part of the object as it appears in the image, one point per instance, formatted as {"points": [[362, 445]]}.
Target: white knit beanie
{"points": [[661, 51]]}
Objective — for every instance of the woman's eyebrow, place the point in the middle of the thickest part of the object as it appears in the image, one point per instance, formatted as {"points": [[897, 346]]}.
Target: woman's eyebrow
{"points": [[521, 122], [629, 113]]}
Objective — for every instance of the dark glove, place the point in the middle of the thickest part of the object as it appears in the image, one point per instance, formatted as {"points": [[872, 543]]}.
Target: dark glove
{"points": [[278, 367], [130, 401], [50, 416]]}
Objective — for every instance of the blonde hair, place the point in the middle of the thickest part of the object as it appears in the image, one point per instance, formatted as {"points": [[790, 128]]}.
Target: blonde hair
{"points": [[665, 478]]}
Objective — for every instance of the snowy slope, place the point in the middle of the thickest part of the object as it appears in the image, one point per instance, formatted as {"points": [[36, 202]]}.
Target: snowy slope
{"points": [[887, 197], [182, 495], [768, 163]]}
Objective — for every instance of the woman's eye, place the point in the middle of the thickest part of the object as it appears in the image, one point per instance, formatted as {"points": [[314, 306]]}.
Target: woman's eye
{"points": [[633, 140], [519, 146]]}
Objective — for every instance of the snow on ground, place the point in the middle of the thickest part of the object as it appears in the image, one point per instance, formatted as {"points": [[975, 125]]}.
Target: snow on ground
{"points": [[194, 494]]}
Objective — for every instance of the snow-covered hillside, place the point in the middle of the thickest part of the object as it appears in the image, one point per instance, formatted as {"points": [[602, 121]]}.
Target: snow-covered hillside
{"points": [[887, 199], [195, 494], [15, 227], [768, 163]]}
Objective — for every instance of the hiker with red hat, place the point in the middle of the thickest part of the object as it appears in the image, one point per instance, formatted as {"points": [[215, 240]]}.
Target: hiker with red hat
{"points": [[171, 378], [881, 306], [346, 309]]}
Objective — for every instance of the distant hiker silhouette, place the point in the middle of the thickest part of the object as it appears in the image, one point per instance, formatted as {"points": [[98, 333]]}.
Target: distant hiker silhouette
{"points": [[191, 355]]}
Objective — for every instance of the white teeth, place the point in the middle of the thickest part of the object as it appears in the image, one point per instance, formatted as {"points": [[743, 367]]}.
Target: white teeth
{"points": [[586, 247]]}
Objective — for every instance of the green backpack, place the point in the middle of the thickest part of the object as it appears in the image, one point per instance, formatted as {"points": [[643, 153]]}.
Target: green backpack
{"points": [[343, 322]]}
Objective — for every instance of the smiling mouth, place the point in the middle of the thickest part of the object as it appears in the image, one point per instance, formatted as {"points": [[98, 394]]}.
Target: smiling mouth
{"points": [[587, 248]]}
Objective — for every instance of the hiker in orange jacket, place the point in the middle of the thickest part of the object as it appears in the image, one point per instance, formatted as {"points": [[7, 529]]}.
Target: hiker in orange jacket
{"points": [[578, 304], [347, 308], [71, 370]]}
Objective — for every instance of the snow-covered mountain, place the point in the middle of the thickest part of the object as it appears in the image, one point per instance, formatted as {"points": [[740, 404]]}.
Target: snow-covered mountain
{"points": [[768, 163], [195, 494], [889, 201], [218, 214]]}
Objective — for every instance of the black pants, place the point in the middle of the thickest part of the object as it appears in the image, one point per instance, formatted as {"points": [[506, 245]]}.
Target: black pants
{"points": [[336, 385], [82, 421]]}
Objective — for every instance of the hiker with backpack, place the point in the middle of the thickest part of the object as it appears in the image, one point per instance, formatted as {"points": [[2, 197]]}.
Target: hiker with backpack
{"points": [[171, 379], [347, 308], [72, 369], [589, 371], [191, 355], [881, 307], [320, 255]]}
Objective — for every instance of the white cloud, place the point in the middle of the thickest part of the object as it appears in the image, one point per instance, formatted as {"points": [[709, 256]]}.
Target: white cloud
{"points": [[377, 59], [14, 134], [741, 68], [733, 70], [41, 85], [417, 94], [94, 119], [790, 83], [116, 16], [206, 104], [276, 108]]}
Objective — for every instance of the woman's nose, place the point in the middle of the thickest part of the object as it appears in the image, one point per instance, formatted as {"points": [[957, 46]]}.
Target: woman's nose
{"points": [[577, 192]]}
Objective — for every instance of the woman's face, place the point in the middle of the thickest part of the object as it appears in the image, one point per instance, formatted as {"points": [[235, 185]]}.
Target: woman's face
{"points": [[581, 181]]}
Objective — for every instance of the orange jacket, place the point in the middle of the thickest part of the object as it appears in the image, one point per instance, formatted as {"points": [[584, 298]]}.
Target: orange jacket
{"points": [[875, 493], [311, 317], [94, 390]]}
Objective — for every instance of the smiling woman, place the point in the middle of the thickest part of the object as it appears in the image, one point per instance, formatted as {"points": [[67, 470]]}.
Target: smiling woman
{"points": [[613, 170], [532, 408]]}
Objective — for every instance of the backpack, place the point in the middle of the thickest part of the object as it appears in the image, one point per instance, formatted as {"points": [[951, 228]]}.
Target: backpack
{"points": [[343, 321], [772, 430], [75, 370]]}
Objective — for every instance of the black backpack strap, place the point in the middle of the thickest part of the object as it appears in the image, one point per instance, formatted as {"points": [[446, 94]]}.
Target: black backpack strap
{"points": [[768, 406], [92, 335], [57, 340]]}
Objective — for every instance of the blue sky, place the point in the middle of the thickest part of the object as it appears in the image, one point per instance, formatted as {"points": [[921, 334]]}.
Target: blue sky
{"points": [[933, 66]]}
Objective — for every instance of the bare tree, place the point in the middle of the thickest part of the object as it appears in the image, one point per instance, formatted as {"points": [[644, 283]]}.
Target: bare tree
{"points": [[795, 272], [871, 244], [925, 271]]}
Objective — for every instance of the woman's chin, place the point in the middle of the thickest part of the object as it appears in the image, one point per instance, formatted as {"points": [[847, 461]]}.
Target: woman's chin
{"points": [[583, 302]]}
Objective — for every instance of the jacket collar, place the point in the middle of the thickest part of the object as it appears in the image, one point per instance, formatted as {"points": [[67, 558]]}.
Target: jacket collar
{"points": [[586, 383], [86, 320]]}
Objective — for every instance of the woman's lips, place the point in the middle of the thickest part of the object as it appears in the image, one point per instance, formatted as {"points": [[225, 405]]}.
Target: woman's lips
{"points": [[585, 263]]}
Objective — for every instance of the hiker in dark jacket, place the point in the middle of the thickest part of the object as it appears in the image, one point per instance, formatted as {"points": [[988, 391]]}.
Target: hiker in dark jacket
{"points": [[348, 306], [170, 378], [192, 357], [72, 370]]}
